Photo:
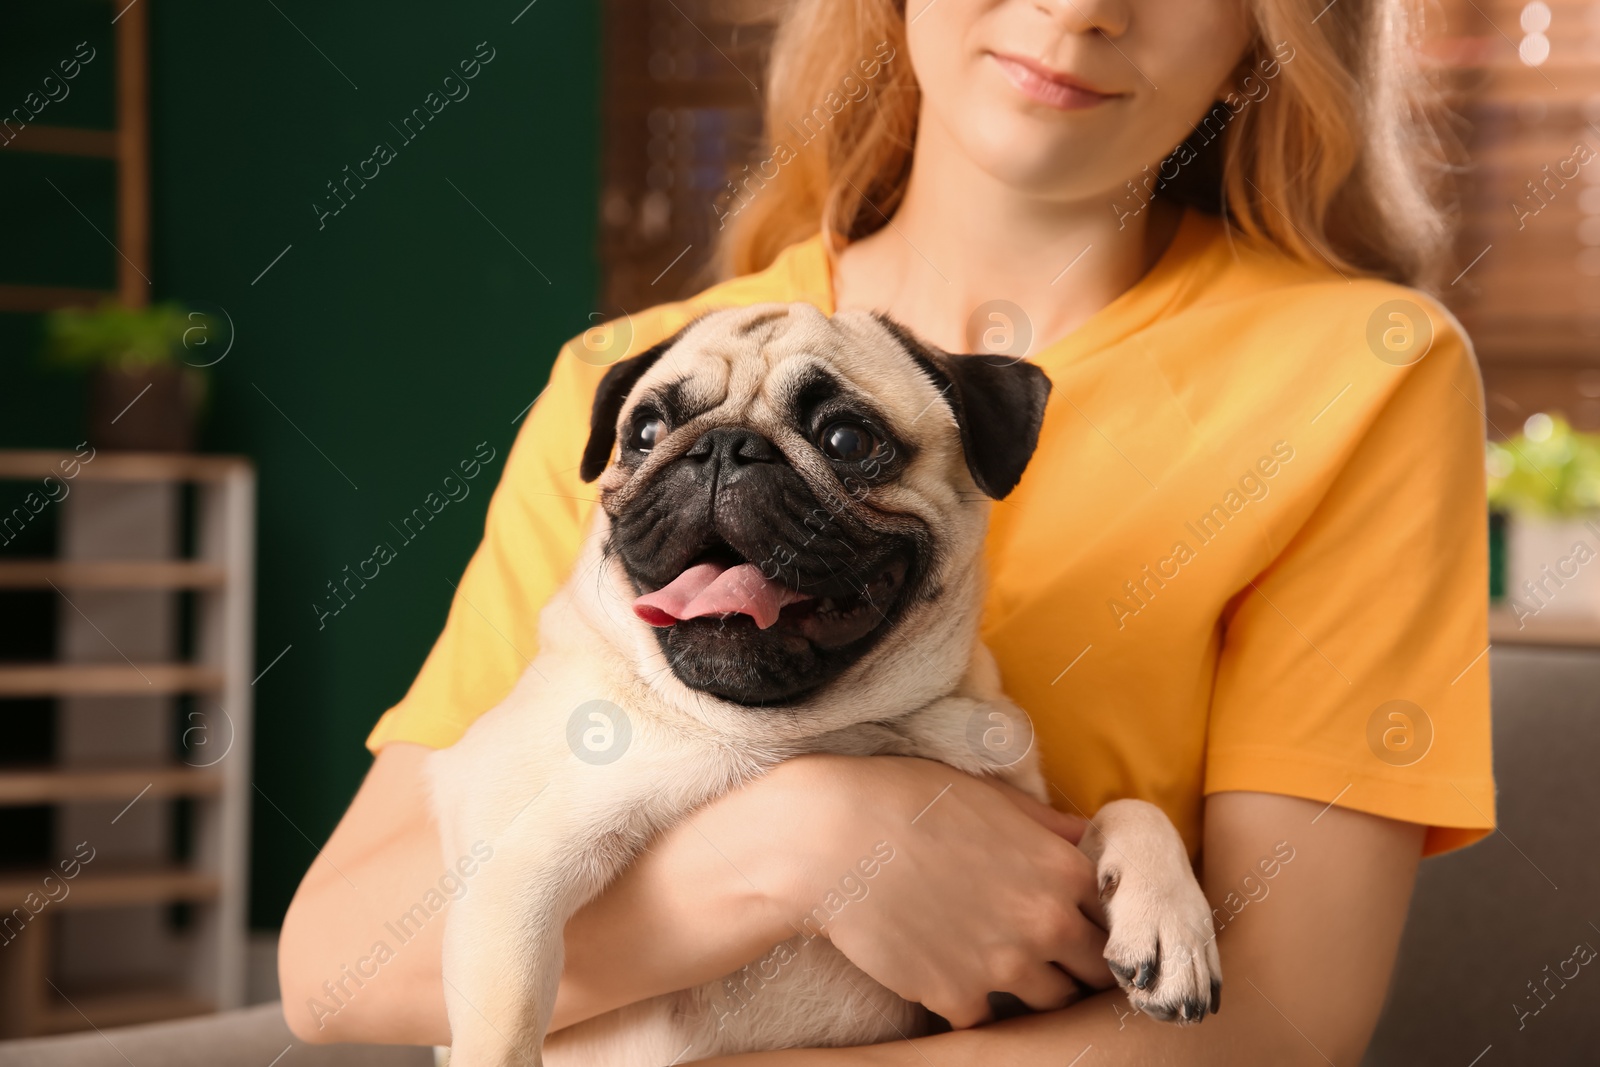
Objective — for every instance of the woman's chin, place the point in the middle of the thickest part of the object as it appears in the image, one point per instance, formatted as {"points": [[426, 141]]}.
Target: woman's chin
{"points": [[1050, 171], [1035, 154]]}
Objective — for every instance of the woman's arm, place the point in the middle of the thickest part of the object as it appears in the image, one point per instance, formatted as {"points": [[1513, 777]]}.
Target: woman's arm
{"points": [[714, 893], [1306, 961], [680, 911], [383, 857]]}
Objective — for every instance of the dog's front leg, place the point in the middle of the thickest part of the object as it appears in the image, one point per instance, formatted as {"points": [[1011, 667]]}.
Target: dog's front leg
{"points": [[503, 943], [1162, 948]]}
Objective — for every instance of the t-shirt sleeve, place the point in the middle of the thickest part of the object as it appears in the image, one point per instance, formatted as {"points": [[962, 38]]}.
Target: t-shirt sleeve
{"points": [[1354, 668], [537, 519]]}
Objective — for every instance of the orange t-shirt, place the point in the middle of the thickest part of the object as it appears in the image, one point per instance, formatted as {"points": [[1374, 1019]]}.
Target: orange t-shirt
{"points": [[1250, 552]]}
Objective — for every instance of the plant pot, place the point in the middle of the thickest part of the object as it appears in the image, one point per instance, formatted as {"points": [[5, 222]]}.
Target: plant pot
{"points": [[143, 409], [1553, 567]]}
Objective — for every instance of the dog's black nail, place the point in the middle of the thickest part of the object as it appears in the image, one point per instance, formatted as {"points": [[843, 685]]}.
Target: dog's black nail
{"points": [[1216, 995], [1147, 975]]}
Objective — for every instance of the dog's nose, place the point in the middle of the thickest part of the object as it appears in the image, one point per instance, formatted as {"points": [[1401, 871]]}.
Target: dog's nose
{"points": [[733, 446]]}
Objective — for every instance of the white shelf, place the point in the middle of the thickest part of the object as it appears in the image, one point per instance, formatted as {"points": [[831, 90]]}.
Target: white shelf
{"points": [[120, 530]]}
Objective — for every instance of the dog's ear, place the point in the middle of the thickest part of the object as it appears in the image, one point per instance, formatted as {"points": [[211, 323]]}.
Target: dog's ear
{"points": [[998, 404], [614, 388]]}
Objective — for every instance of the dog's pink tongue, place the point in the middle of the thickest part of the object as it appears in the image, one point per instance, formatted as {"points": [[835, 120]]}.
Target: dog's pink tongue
{"points": [[717, 589]]}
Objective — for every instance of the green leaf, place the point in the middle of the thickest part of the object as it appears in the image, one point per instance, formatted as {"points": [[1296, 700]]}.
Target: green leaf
{"points": [[1548, 470], [114, 335]]}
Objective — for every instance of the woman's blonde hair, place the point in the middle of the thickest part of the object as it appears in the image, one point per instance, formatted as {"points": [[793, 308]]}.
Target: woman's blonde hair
{"points": [[1343, 161]]}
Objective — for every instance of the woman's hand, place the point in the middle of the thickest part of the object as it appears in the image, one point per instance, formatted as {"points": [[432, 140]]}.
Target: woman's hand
{"points": [[1312, 966], [984, 889]]}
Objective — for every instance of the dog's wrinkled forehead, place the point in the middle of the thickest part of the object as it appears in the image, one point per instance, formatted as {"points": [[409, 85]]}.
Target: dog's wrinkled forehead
{"points": [[752, 361]]}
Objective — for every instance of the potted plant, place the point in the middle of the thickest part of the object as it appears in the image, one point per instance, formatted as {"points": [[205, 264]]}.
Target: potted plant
{"points": [[1546, 481], [142, 394]]}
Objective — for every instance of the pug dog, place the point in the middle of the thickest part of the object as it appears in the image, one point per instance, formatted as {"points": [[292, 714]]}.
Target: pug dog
{"points": [[786, 559]]}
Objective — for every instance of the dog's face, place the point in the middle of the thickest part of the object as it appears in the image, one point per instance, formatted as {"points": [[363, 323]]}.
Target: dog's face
{"points": [[793, 492]]}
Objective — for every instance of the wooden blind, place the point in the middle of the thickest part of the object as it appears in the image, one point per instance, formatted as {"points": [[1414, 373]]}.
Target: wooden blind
{"points": [[1529, 247], [682, 113]]}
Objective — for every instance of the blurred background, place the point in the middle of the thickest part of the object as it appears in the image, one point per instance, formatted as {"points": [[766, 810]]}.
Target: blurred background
{"points": [[274, 270]]}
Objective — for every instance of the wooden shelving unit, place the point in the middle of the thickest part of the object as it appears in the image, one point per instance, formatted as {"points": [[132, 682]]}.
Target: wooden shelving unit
{"points": [[128, 146], [159, 625], [120, 762]]}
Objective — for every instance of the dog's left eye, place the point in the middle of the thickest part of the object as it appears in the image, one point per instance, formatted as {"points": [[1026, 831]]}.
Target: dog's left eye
{"points": [[647, 431], [849, 442]]}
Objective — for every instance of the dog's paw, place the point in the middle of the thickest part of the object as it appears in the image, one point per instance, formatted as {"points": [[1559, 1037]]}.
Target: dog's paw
{"points": [[1162, 949]]}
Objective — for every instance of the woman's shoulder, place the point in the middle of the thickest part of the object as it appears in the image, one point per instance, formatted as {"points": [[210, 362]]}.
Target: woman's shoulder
{"points": [[1259, 338], [1312, 304]]}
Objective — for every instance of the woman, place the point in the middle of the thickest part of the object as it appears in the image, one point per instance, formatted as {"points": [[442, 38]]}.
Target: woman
{"points": [[1244, 577]]}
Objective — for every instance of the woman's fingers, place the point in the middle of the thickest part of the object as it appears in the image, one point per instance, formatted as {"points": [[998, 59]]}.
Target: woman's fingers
{"points": [[1043, 988], [1071, 933], [1094, 909], [961, 1011], [1059, 823], [935, 935], [1081, 953], [1080, 881]]}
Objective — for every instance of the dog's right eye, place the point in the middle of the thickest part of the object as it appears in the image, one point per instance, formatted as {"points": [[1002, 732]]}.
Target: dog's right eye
{"points": [[647, 431], [849, 442]]}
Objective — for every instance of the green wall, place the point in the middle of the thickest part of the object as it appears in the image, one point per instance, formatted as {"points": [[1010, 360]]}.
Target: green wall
{"points": [[396, 335]]}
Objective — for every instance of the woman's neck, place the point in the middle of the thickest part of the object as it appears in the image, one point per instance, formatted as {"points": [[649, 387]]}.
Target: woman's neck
{"points": [[961, 240]]}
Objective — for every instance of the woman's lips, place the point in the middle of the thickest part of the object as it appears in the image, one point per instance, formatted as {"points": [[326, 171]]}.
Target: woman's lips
{"points": [[1049, 87]]}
